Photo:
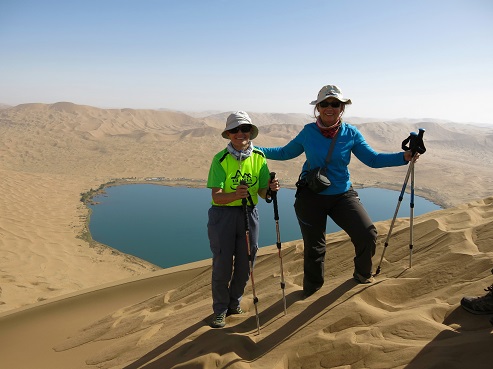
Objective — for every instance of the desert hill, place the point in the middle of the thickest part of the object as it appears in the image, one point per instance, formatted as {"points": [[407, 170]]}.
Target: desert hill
{"points": [[152, 143], [52, 153], [409, 318], [68, 302]]}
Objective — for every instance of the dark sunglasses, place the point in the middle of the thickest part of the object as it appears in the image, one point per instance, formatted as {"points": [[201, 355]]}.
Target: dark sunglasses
{"points": [[244, 128], [326, 104]]}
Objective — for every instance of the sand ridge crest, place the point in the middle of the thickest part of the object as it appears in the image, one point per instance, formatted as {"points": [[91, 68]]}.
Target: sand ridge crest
{"points": [[393, 319]]}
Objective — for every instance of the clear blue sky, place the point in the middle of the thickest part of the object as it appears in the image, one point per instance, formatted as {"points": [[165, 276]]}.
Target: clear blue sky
{"points": [[414, 59]]}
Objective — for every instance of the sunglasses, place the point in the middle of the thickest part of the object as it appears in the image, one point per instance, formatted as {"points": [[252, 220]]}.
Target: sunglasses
{"points": [[326, 104], [243, 128]]}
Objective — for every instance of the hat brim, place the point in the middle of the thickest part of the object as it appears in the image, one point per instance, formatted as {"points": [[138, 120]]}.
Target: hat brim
{"points": [[345, 101], [253, 132]]}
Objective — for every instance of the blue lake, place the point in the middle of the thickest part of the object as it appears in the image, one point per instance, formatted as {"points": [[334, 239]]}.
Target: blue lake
{"points": [[167, 226]]}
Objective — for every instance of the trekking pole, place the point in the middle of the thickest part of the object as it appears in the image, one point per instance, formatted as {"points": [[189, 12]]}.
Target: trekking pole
{"points": [[411, 219], [250, 261], [273, 195], [401, 196], [417, 146]]}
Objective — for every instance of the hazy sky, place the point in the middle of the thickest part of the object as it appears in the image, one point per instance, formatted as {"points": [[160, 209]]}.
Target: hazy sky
{"points": [[414, 59]]}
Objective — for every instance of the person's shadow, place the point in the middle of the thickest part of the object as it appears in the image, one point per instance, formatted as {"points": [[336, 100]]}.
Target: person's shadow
{"points": [[239, 343], [469, 346]]}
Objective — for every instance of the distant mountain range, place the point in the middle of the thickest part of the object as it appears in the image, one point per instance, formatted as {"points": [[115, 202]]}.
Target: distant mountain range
{"points": [[159, 143]]}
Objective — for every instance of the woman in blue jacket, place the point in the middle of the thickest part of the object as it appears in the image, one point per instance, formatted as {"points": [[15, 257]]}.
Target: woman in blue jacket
{"points": [[339, 201]]}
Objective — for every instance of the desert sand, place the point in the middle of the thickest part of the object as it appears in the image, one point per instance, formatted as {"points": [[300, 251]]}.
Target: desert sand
{"points": [[68, 302]]}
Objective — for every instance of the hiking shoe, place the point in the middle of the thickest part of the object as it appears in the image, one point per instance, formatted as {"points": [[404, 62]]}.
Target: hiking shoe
{"points": [[481, 304], [218, 321], [308, 293], [363, 280], [235, 311], [309, 288]]}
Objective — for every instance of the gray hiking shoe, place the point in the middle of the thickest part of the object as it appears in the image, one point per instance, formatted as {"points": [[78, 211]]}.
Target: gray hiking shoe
{"points": [[235, 311], [363, 280], [481, 304], [218, 321]]}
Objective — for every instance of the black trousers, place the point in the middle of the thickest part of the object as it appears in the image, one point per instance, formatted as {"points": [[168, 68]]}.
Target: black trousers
{"points": [[348, 213]]}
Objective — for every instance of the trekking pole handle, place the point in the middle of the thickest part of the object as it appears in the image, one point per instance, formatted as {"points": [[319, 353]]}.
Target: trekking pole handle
{"points": [[421, 145], [272, 177], [243, 200], [416, 144], [409, 141], [273, 195]]}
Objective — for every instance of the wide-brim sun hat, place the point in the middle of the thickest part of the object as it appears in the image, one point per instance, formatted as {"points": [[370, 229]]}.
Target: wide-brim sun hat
{"points": [[330, 91], [237, 119]]}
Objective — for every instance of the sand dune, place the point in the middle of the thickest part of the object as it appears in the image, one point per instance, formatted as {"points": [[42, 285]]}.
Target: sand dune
{"points": [[67, 302], [409, 318], [116, 143]]}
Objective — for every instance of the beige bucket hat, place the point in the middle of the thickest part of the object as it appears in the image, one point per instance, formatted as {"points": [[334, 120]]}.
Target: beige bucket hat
{"points": [[237, 119], [330, 91]]}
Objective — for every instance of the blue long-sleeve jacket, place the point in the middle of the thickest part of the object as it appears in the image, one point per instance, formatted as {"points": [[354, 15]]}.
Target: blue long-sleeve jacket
{"points": [[315, 146]]}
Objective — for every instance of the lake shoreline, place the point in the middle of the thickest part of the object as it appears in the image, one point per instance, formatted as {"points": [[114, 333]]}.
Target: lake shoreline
{"points": [[200, 183], [112, 228]]}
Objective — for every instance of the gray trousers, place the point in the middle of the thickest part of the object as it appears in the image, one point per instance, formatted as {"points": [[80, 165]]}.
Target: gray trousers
{"points": [[348, 213], [230, 264]]}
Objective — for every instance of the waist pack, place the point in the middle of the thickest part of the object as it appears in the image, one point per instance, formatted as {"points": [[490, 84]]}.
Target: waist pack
{"points": [[316, 179]]}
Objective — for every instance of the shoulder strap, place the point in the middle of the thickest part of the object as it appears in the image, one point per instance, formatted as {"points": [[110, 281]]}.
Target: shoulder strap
{"points": [[331, 148]]}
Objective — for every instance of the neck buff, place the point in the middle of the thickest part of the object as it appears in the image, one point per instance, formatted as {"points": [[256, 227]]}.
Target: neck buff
{"points": [[240, 155], [328, 132]]}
